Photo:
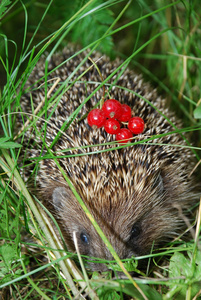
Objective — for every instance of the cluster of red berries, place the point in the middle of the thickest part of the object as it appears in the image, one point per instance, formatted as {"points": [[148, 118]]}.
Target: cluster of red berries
{"points": [[112, 114]]}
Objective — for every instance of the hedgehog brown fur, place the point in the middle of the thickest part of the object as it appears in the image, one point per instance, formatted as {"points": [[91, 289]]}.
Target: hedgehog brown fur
{"points": [[133, 192]]}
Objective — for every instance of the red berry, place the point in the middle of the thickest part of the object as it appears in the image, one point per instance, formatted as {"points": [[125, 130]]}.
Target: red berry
{"points": [[96, 117], [125, 113], [136, 125], [112, 108], [112, 126], [124, 135]]}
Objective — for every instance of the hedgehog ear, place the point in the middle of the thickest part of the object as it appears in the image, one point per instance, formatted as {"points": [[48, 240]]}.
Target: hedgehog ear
{"points": [[61, 195]]}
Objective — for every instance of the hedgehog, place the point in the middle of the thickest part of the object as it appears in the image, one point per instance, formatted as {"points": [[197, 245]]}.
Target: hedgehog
{"points": [[138, 193]]}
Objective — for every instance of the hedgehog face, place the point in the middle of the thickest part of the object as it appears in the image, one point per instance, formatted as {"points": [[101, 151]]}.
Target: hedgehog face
{"points": [[72, 218], [131, 224]]}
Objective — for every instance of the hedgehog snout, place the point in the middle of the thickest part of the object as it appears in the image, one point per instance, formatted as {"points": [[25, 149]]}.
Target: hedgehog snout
{"points": [[88, 240]]}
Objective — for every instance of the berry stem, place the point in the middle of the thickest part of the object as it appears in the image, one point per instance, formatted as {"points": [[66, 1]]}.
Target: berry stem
{"points": [[99, 72]]}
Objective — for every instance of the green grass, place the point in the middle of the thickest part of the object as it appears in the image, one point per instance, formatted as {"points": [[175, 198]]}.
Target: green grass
{"points": [[161, 39]]}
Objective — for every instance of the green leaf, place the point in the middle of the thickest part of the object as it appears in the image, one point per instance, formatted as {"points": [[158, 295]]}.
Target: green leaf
{"points": [[197, 267], [5, 144], [8, 254], [3, 6], [108, 289], [130, 265], [4, 139], [197, 112], [182, 266], [9, 266], [92, 27]]}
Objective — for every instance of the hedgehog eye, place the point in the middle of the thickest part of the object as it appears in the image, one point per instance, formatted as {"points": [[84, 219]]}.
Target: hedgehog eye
{"points": [[84, 238], [135, 231]]}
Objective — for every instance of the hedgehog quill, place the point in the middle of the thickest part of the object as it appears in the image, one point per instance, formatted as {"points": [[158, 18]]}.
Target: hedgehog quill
{"points": [[133, 192]]}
